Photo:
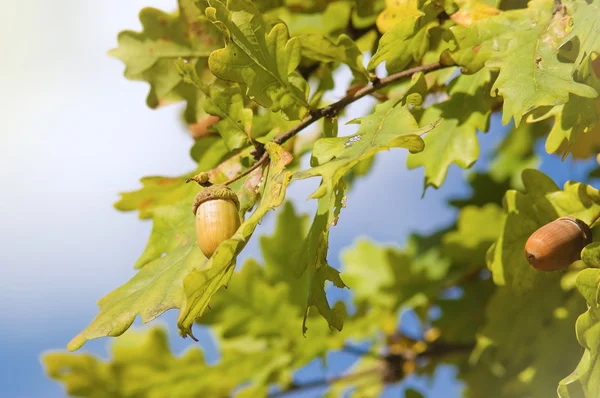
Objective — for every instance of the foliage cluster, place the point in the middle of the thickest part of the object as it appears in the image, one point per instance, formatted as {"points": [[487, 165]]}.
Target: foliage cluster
{"points": [[254, 76]]}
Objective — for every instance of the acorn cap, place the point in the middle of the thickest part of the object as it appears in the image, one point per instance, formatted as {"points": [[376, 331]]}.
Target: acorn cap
{"points": [[215, 192], [585, 229]]}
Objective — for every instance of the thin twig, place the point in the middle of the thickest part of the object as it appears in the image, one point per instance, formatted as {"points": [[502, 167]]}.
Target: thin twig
{"points": [[333, 109], [387, 363], [326, 381], [441, 349], [249, 170], [360, 352]]}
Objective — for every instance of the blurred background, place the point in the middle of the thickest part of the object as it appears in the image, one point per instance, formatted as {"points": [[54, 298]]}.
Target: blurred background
{"points": [[74, 133]]}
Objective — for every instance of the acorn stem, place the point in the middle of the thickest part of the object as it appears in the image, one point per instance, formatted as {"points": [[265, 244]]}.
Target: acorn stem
{"points": [[201, 179]]}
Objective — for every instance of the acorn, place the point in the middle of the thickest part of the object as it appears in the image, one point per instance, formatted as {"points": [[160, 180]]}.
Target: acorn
{"points": [[557, 244], [217, 217]]}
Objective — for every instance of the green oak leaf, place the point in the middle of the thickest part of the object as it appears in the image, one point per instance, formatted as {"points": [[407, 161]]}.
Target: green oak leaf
{"points": [[149, 55], [366, 12], [264, 62], [454, 140], [390, 279], [225, 100], [142, 365], [157, 286], [317, 297], [532, 56], [324, 75], [516, 351], [319, 48], [541, 202], [206, 147], [313, 263], [281, 294], [369, 385], [298, 6], [487, 38], [331, 22], [590, 255], [484, 190], [156, 192], [516, 153], [253, 306], [573, 121], [168, 261], [477, 228], [585, 27], [391, 125], [461, 318], [406, 40], [280, 252], [585, 379], [212, 154], [206, 279], [159, 191]]}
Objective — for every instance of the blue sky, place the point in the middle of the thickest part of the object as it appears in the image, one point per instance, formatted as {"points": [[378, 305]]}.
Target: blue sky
{"points": [[74, 133]]}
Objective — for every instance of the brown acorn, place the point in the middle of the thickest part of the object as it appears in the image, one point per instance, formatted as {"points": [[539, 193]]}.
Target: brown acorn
{"points": [[217, 217], [557, 244]]}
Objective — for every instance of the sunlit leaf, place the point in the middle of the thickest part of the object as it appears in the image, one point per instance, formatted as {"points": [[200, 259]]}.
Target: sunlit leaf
{"points": [[532, 56], [319, 48], [391, 126], [585, 379], [264, 61], [406, 37], [454, 140]]}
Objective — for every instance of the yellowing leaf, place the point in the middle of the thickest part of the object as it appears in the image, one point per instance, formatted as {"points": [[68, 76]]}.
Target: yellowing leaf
{"points": [[531, 56], [398, 11], [264, 62], [471, 11], [150, 55], [406, 37], [489, 37]]}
